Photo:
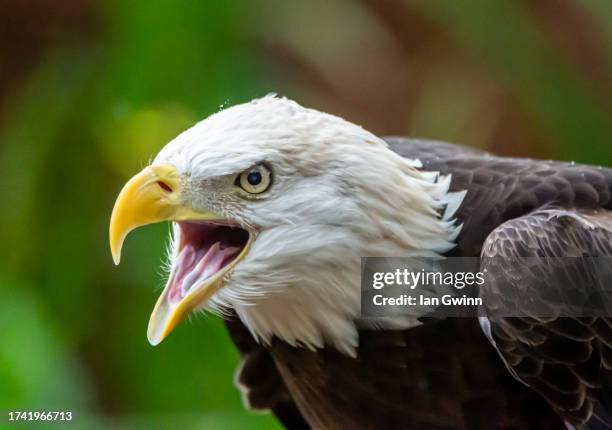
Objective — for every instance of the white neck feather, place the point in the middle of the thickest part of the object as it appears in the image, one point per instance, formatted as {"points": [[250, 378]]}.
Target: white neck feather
{"points": [[317, 302]]}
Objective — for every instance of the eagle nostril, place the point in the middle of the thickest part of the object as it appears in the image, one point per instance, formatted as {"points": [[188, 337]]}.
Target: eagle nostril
{"points": [[167, 188]]}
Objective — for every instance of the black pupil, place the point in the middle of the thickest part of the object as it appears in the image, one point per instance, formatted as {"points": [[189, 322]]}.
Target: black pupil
{"points": [[254, 178]]}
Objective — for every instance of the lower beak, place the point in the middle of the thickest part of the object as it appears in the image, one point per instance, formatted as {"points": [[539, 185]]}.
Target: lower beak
{"points": [[155, 195]]}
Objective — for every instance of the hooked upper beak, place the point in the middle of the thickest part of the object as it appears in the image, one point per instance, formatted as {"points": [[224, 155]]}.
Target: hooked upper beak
{"points": [[152, 196], [155, 195]]}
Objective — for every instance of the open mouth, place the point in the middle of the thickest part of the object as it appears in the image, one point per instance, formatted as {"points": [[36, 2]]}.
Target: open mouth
{"points": [[205, 252]]}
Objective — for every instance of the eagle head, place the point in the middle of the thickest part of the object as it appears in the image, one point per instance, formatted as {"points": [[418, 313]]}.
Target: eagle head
{"points": [[272, 206]]}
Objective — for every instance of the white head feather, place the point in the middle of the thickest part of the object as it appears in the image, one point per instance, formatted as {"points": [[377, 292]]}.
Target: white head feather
{"points": [[338, 194]]}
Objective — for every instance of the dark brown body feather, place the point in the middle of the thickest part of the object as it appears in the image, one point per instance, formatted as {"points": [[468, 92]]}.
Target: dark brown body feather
{"points": [[443, 374]]}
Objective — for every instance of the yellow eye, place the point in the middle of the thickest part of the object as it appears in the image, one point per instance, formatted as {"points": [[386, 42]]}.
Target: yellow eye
{"points": [[255, 180]]}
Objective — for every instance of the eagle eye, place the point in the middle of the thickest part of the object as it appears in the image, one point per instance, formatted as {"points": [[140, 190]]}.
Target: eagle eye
{"points": [[255, 180]]}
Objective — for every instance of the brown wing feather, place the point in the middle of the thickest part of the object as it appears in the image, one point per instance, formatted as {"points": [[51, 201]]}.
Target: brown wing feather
{"points": [[565, 359]]}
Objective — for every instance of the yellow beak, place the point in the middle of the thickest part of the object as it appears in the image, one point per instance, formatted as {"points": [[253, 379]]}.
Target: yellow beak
{"points": [[152, 196], [155, 195]]}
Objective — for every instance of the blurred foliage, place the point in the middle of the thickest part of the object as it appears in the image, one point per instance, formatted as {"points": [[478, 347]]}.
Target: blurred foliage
{"points": [[91, 92]]}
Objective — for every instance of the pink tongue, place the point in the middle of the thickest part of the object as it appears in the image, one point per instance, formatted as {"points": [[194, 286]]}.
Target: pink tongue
{"points": [[195, 265]]}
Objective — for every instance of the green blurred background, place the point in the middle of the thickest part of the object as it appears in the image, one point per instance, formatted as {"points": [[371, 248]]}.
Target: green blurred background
{"points": [[91, 90]]}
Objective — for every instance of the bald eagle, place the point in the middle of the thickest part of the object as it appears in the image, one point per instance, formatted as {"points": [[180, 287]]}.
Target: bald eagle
{"points": [[272, 206]]}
